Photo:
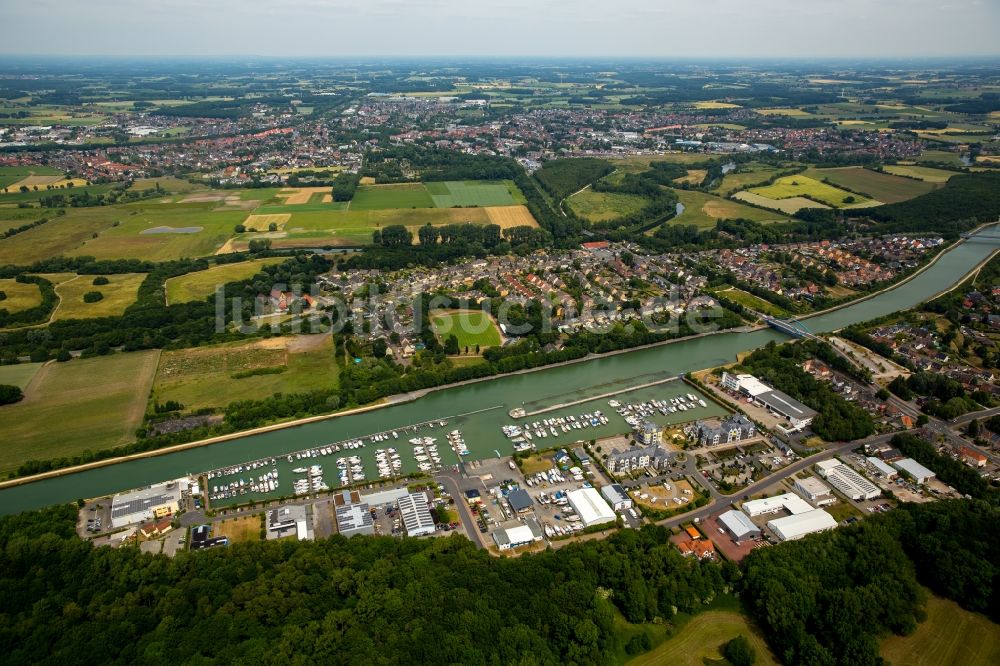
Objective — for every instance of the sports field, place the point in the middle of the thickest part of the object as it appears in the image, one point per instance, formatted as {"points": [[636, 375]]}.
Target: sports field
{"points": [[201, 284], [84, 404], [929, 174], [883, 187], [700, 642], [806, 187], [119, 293], [210, 376], [949, 635], [471, 327], [19, 296], [703, 210], [601, 206]]}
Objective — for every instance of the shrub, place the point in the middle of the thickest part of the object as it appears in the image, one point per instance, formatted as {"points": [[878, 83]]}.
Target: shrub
{"points": [[10, 394], [92, 297], [100, 280]]}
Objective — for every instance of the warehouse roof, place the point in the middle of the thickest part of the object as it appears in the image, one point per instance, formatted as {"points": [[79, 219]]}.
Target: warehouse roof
{"points": [[519, 500], [591, 506], [881, 467], [794, 527], [788, 501], [352, 518], [914, 469], [786, 405], [738, 523]]}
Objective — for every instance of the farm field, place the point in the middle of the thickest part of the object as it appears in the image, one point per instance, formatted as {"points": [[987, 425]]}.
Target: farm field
{"points": [[879, 186], [102, 398], [795, 113], [61, 235], [168, 183], [715, 105], [510, 216], [942, 156], [16, 217], [640, 163], [806, 187], [702, 210], [928, 174], [19, 374], [693, 177], [45, 183], [119, 293], [450, 194], [403, 195], [19, 296], [735, 180], [302, 195], [790, 205], [201, 284], [601, 206], [700, 641], [949, 635], [208, 376], [471, 327], [12, 174]]}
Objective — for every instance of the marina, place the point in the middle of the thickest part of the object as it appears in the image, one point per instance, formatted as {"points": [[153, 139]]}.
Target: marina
{"points": [[575, 384]]}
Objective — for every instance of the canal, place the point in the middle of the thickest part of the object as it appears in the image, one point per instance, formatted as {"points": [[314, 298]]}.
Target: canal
{"points": [[535, 390]]}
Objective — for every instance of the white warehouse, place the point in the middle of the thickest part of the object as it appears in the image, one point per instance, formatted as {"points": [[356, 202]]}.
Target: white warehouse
{"points": [[846, 481], [912, 468], [791, 503], [591, 506], [799, 525]]}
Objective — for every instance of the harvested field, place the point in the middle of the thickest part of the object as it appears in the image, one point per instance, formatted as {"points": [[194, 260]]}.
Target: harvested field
{"points": [[880, 186], [693, 177], [46, 183], [300, 195], [928, 174], [715, 105], [702, 210], [264, 222], [949, 635], [790, 205], [510, 216], [19, 296], [798, 113]]}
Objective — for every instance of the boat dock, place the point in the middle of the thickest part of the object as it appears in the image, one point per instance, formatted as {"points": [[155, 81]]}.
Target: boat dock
{"points": [[602, 396]]}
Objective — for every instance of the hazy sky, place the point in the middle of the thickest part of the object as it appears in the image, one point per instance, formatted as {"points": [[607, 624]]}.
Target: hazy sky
{"points": [[645, 28]]}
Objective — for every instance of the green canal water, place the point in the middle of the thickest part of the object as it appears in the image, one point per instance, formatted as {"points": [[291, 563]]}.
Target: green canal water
{"points": [[490, 401]]}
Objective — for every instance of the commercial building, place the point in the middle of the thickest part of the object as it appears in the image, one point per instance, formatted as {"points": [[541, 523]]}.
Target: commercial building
{"points": [[775, 401], [591, 507], [354, 519], [288, 521], [617, 497], [145, 504], [519, 500], [812, 488], [790, 528], [514, 533], [912, 468], [630, 460], [416, 514], [846, 481], [738, 526], [880, 467], [790, 502], [733, 428]]}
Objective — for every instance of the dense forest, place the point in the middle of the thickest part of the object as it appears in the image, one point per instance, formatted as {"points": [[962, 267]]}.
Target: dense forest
{"points": [[827, 599]]}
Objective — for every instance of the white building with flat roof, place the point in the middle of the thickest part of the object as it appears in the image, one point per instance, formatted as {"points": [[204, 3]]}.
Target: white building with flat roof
{"points": [[847, 481], [812, 488], [416, 514], [591, 506], [514, 533], [790, 528], [790, 502], [145, 504], [617, 497], [880, 467], [914, 469]]}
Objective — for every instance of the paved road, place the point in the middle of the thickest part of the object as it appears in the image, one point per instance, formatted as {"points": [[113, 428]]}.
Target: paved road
{"points": [[451, 481]]}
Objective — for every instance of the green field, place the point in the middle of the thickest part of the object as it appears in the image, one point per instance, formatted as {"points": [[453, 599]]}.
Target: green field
{"points": [[949, 635], [700, 642], [204, 377], [57, 237], [879, 186], [600, 206], [119, 293], [788, 187], [19, 374], [168, 183], [942, 156], [16, 217], [12, 174], [703, 210], [201, 284], [19, 296], [447, 194], [81, 405], [403, 195], [747, 299], [929, 174], [471, 327], [744, 176]]}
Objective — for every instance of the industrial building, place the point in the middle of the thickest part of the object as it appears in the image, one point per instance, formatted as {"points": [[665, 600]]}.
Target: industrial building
{"points": [[354, 519], [416, 514], [847, 481], [146, 504], [812, 488], [591, 507], [287, 521], [738, 526], [912, 468], [519, 500], [775, 401], [882, 468], [514, 533], [790, 528], [617, 497], [790, 502]]}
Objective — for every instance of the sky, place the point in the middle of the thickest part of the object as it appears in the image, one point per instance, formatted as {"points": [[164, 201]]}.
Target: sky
{"points": [[569, 28]]}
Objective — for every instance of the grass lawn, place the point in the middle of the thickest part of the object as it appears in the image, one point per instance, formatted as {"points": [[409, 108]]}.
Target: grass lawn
{"points": [[700, 641], [16, 217], [206, 376], [536, 463], [402, 195], [747, 299], [471, 327], [19, 375], [702, 210], [790, 205], [879, 186], [949, 635], [245, 528], [19, 296], [201, 284], [929, 174], [80, 405], [600, 206], [119, 293], [804, 186]]}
